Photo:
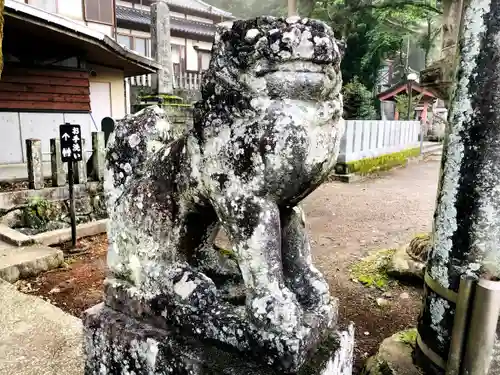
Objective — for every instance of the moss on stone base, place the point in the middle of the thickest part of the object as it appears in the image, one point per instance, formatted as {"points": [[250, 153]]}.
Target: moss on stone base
{"points": [[372, 270], [380, 163], [167, 98], [408, 337], [394, 356]]}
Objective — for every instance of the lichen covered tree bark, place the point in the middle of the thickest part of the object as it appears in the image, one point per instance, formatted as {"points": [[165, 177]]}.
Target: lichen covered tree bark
{"points": [[2, 2], [466, 233]]}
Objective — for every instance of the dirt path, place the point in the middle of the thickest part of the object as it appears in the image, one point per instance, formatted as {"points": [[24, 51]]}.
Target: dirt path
{"points": [[345, 221]]}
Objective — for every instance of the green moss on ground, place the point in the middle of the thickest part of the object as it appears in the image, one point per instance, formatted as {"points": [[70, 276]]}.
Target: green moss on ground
{"points": [[383, 162], [372, 270]]}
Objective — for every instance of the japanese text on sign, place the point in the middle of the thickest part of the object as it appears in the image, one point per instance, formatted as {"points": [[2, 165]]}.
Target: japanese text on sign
{"points": [[71, 142]]}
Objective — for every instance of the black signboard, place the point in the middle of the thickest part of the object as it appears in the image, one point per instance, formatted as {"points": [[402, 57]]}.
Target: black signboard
{"points": [[71, 142]]}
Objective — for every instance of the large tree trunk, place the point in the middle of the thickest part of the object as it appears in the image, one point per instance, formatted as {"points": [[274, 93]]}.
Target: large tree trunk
{"points": [[439, 75], [2, 2]]}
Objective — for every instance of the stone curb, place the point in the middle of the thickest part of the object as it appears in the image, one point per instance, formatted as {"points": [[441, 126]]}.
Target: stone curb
{"points": [[13, 237], [53, 237], [58, 236], [20, 263], [348, 178], [353, 177], [8, 199]]}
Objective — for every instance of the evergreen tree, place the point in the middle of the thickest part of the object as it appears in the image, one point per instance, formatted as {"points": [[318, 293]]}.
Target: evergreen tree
{"points": [[358, 102]]}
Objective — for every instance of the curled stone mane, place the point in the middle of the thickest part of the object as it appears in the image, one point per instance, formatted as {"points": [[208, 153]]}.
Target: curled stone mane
{"points": [[257, 46]]}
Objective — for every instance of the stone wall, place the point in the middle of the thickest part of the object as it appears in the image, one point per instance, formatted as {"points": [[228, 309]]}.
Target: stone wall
{"points": [[36, 211]]}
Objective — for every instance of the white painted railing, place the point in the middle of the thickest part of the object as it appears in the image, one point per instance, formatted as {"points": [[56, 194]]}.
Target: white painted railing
{"points": [[189, 81], [368, 139]]}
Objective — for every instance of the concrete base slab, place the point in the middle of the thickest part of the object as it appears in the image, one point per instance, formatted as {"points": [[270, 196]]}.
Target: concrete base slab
{"points": [[14, 237], [23, 262], [348, 178], [36, 337], [394, 356]]}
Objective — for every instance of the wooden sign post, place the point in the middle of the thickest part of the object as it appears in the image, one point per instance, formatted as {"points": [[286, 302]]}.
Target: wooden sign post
{"points": [[71, 151]]}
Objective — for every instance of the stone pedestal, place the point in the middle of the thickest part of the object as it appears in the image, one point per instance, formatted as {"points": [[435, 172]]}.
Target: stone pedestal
{"points": [[118, 344], [168, 335]]}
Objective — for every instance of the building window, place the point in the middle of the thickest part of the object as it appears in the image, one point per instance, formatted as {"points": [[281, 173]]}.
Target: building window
{"points": [[141, 46], [125, 40], [99, 11]]}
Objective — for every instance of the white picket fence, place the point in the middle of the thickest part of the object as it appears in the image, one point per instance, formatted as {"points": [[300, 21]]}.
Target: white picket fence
{"points": [[368, 139]]}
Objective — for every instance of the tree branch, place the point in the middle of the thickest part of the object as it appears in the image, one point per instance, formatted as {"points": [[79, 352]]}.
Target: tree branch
{"points": [[399, 3]]}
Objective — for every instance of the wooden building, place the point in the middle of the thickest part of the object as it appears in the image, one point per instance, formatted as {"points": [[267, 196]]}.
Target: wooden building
{"points": [[58, 70]]}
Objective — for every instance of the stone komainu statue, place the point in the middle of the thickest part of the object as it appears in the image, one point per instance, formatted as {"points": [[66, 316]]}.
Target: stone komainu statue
{"points": [[266, 134]]}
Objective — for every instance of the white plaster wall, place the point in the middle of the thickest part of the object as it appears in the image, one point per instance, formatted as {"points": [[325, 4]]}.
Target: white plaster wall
{"points": [[115, 78], [20, 126], [11, 148], [140, 34], [105, 29], [175, 58], [205, 60], [204, 45], [47, 5], [178, 41], [191, 55], [71, 9], [120, 30]]}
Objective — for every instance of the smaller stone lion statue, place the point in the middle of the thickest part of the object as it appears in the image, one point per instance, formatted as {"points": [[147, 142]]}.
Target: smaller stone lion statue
{"points": [[266, 134]]}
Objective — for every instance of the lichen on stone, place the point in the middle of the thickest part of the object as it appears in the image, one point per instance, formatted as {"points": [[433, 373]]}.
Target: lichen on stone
{"points": [[266, 134]]}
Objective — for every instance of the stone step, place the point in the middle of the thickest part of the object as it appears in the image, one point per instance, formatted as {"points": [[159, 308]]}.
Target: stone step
{"points": [[23, 262]]}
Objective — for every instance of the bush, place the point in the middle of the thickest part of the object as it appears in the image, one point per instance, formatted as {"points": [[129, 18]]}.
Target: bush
{"points": [[358, 102]]}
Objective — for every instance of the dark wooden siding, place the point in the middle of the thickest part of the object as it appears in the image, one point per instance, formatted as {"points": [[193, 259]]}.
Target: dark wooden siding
{"points": [[44, 90]]}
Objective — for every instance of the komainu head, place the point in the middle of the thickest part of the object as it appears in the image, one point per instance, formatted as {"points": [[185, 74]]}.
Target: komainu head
{"points": [[272, 58]]}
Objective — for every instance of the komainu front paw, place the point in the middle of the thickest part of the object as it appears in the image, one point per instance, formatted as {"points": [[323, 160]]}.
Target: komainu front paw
{"points": [[276, 309], [311, 289]]}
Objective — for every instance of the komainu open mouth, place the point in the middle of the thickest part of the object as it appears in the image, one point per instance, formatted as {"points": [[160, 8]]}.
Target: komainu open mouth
{"points": [[264, 67]]}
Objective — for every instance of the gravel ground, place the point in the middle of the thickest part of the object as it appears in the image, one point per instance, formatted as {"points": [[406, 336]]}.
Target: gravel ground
{"points": [[345, 222]]}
